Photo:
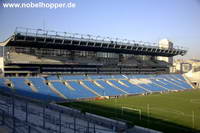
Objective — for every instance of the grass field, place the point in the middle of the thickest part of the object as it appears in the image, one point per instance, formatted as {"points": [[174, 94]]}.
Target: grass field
{"points": [[177, 112]]}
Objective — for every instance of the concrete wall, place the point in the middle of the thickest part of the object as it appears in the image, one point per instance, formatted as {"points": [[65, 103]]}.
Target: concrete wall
{"points": [[164, 43], [187, 65], [194, 77], [1, 51], [1, 66]]}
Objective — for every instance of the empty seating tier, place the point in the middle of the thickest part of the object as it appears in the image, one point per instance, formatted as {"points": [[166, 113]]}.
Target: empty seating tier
{"points": [[61, 87]]}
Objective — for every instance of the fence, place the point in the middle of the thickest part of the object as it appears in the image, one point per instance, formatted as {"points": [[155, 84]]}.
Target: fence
{"points": [[26, 116]]}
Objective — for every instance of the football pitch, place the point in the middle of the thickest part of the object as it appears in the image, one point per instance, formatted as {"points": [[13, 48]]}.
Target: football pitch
{"points": [[174, 112]]}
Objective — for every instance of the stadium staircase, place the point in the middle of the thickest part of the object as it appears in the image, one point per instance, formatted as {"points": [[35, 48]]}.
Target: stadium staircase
{"points": [[88, 88], [31, 85], [56, 91], [115, 86]]}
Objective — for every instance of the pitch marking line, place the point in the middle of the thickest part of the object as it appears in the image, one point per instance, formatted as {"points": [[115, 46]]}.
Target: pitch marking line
{"points": [[197, 101]]}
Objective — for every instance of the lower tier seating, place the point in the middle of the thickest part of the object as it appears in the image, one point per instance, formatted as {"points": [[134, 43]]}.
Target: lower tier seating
{"points": [[58, 88]]}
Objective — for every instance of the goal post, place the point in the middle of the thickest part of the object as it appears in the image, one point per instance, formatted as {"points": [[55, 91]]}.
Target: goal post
{"points": [[132, 109]]}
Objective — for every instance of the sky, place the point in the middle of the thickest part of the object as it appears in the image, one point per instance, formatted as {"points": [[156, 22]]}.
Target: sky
{"points": [[141, 20]]}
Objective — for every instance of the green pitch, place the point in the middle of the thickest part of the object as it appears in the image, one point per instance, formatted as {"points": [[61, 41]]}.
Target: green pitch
{"points": [[177, 112]]}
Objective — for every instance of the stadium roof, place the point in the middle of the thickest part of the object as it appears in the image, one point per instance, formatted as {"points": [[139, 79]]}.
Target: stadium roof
{"points": [[5, 42], [62, 40]]}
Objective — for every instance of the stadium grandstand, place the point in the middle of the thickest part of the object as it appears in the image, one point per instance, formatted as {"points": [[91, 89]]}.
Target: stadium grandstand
{"points": [[40, 68], [32, 52]]}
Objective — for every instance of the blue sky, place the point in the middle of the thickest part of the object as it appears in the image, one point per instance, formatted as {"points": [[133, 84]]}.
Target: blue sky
{"points": [[146, 20]]}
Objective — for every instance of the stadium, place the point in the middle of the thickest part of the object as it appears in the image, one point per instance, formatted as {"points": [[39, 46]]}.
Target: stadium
{"points": [[64, 82]]}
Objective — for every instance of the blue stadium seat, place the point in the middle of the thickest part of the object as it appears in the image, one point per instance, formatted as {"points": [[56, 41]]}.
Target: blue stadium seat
{"points": [[138, 76], [109, 90], [118, 77], [152, 87], [44, 89], [130, 89], [19, 84], [181, 83], [73, 77], [169, 85], [100, 76], [76, 91], [3, 86], [23, 89], [71, 94], [136, 89], [95, 87], [53, 77], [158, 83], [81, 90], [179, 76]]}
